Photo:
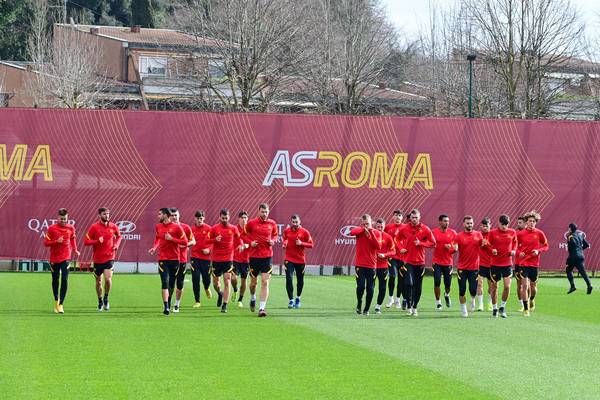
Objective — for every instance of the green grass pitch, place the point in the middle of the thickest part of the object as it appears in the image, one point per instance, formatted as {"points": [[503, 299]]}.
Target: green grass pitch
{"points": [[323, 350]]}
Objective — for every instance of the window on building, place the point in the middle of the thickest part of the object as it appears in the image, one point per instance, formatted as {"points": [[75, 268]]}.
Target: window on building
{"points": [[216, 69], [153, 66]]}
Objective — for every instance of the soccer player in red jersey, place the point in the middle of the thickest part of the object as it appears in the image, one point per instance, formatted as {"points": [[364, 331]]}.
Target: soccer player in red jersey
{"points": [[225, 238], [520, 227], [168, 238], [183, 252], [295, 240], [467, 243], [200, 260], [414, 238], [60, 237], [485, 261], [241, 261], [503, 242], [261, 235], [105, 237], [531, 242], [395, 261], [442, 260], [368, 242], [383, 256]]}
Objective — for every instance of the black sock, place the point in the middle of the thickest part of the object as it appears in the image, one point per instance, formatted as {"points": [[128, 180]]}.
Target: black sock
{"points": [[235, 289], [526, 305], [532, 297], [166, 304], [105, 298], [224, 305], [100, 300], [240, 298]]}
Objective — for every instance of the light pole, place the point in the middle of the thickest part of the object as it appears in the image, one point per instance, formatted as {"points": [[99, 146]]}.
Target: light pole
{"points": [[471, 57]]}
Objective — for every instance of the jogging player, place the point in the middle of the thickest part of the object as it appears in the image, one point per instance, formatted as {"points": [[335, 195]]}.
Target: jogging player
{"points": [[517, 273], [60, 237], [395, 261], [240, 261], [485, 262], [576, 244], [295, 240], [382, 266], [261, 235], [183, 254], [200, 260], [368, 242], [168, 238], [442, 260], [503, 242], [105, 238], [531, 243]]}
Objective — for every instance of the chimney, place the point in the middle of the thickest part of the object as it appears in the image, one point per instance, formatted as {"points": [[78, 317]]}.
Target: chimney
{"points": [[382, 85], [135, 29], [94, 30]]}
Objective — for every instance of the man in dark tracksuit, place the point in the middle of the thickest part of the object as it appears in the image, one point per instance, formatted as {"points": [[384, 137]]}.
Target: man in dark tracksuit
{"points": [[576, 244]]}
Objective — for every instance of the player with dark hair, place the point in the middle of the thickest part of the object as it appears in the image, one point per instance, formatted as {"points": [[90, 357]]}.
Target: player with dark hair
{"points": [[531, 243], [485, 261], [105, 238], [414, 238], [183, 250], [295, 240], [225, 238], [240, 261], [60, 237], [442, 260], [576, 244], [261, 235], [200, 257], [503, 242], [168, 238], [395, 261], [368, 241], [467, 243], [383, 256], [517, 273]]}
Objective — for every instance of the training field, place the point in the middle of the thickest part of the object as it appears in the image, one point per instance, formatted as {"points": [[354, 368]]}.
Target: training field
{"points": [[323, 350]]}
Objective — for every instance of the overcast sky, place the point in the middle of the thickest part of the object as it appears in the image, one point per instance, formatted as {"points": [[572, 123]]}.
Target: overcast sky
{"points": [[410, 14]]}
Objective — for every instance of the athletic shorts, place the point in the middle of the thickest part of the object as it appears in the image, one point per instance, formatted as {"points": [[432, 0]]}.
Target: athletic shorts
{"points": [[517, 272], [529, 272], [485, 272], [99, 268], [167, 268], [498, 273], [222, 267], [260, 266], [240, 269]]}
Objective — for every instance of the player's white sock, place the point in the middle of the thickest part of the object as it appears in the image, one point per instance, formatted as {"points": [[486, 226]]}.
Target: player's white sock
{"points": [[262, 305], [521, 303], [489, 298], [502, 304], [494, 306], [177, 302], [253, 297], [480, 298], [439, 302], [391, 298], [464, 307]]}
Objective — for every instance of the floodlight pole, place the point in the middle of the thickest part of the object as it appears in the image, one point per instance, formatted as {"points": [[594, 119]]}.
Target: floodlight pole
{"points": [[471, 57]]}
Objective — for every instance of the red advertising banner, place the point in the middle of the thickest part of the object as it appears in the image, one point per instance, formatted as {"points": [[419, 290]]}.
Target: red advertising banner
{"points": [[328, 169]]}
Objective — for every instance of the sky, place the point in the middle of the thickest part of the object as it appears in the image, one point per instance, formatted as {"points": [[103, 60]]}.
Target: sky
{"points": [[409, 15]]}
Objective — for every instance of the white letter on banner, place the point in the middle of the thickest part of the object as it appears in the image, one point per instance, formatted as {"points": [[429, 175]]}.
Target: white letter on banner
{"points": [[280, 168], [303, 169]]}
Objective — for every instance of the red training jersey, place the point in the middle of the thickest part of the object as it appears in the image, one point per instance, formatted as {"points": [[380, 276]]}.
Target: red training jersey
{"points": [[60, 252], [392, 230], [517, 258], [468, 249], [442, 255], [503, 242], [415, 254], [111, 239], [230, 239], [169, 249], [183, 251], [296, 252], [388, 249], [529, 240], [485, 252], [200, 233], [242, 257], [366, 246], [263, 232]]}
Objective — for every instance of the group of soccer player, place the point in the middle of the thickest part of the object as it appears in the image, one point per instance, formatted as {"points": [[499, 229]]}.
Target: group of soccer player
{"points": [[398, 250], [223, 250]]}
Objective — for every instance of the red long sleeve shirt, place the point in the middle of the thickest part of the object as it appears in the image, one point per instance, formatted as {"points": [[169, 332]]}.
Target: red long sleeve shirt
{"points": [[442, 255], [468, 249], [485, 252], [169, 249], [263, 232], [200, 233], [366, 247], [111, 238], [60, 252], [242, 257], [415, 254], [503, 243], [294, 252], [230, 239], [183, 251], [392, 230], [387, 248], [529, 240]]}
